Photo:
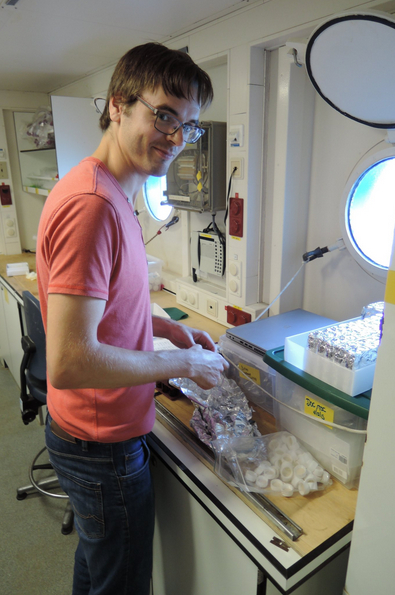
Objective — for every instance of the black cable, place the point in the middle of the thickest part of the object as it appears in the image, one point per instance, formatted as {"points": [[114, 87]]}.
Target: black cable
{"points": [[227, 197]]}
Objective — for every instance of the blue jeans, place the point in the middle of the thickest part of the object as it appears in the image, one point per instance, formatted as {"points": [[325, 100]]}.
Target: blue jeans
{"points": [[111, 492]]}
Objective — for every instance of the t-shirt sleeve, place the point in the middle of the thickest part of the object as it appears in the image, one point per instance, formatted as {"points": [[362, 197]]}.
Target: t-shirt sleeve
{"points": [[81, 245]]}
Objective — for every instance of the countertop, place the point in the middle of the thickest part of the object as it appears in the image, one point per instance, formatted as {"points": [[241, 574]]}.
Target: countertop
{"points": [[322, 515]]}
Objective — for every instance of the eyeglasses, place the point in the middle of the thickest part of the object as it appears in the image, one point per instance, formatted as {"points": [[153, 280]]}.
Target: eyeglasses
{"points": [[168, 124]]}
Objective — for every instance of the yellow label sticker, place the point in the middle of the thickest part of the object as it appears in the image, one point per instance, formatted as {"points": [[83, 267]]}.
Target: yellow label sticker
{"points": [[250, 373], [390, 288], [199, 187], [317, 409], [199, 176]]}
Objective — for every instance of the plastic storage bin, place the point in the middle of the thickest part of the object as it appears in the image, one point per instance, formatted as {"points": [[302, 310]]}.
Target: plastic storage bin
{"points": [[154, 273], [301, 399], [249, 368]]}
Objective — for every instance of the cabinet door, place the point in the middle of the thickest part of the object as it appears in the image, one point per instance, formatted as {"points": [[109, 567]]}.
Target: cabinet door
{"points": [[77, 132], [4, 346], [192, 553], [13, 355], [329, 580]]}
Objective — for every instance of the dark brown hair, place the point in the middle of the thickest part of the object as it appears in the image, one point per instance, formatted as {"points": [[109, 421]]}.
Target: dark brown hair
{"points": [[150, 65]]}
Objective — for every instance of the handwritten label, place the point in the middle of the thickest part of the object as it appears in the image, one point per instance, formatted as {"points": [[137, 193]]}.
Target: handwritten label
{"points": [[317, 409], [249, 373]]}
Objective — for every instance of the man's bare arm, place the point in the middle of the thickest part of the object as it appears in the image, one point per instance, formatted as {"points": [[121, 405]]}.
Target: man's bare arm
{"points": [[76, 359]]}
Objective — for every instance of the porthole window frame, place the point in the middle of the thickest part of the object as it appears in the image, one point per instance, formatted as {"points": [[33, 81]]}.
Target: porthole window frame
{"points": [[374, 156], [147, 201]]}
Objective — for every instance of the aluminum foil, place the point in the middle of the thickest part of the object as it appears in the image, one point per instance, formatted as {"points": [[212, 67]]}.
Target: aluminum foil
{"points": [[219, 412]]}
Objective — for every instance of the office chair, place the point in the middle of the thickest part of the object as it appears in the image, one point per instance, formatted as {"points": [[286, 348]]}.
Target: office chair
{"points": [[33, 398]]}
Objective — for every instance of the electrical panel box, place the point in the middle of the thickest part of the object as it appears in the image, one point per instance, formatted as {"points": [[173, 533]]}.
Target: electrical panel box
{"points": [[196, 180]]}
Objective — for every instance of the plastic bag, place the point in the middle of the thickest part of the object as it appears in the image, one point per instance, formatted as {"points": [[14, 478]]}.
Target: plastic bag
{"points": [[275, 464], [41, 130]]}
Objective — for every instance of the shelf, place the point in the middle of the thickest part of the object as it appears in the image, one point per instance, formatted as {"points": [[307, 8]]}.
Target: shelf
{"points": [[37, 150], [31, 190], [47, 178]]}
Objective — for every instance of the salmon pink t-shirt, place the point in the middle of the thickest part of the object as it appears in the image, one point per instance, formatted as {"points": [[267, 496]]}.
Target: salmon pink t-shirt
{"points": [[90, 244]]}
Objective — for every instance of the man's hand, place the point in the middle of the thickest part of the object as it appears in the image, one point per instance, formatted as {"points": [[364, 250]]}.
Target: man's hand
{"points": [[184, 337], [206, 367]]}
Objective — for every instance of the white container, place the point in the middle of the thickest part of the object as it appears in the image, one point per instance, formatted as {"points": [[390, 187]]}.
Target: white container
{"points": [[154, 272], [339, 451], [351, 382], [249, 368]]}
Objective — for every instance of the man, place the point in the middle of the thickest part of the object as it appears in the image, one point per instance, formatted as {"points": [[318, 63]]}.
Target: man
{"points": [[94, 295]]}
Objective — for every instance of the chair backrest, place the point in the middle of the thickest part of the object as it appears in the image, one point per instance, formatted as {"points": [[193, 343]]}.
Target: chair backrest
{"points": [[35, 330]]}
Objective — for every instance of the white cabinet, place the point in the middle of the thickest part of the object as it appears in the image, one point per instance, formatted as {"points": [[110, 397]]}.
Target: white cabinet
{"points": [[11, 332], [207, 540], [39, 170], [192, 552]]}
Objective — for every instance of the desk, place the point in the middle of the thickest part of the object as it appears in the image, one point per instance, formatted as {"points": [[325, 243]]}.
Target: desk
{"points": [[209, 537]]}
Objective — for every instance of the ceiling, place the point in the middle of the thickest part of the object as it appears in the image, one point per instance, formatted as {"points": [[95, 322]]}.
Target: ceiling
{"points": [[47, 44]]}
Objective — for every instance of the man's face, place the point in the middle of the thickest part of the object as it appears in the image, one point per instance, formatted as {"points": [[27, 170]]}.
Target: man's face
{"points": [[146, 150]]}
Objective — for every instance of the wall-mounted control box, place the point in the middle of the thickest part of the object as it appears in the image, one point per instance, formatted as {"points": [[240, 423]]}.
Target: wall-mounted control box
{"points": [[196, 180]]}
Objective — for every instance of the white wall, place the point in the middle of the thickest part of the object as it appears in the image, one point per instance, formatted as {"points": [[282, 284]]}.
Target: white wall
{"points": [[334, 286]]}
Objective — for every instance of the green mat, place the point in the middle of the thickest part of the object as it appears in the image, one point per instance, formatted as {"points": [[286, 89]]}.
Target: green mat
{"points": [[176, 313]]}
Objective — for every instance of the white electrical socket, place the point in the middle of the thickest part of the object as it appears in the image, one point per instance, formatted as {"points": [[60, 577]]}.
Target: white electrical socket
{"points": [[239, 164], [212, 307]]}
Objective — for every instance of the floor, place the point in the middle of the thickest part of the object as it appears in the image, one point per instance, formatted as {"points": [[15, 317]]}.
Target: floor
{"points": [[35, 558]]}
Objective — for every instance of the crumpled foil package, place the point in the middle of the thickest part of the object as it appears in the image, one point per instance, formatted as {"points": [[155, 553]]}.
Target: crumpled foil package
{"points": [[219, 412]]}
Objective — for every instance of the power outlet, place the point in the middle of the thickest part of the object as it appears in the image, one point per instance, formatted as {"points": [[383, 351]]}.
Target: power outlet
{"points": [[188, 297], [212, 307], [238, 163], [3, 170], [236, 208]]}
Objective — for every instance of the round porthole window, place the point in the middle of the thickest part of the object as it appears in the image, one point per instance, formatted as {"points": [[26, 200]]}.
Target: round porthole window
{"points": [[368, 212], [154, 195]]}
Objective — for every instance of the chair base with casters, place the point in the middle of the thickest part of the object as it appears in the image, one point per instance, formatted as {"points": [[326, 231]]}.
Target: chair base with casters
{"points": [[32, 398], [42, 486]]}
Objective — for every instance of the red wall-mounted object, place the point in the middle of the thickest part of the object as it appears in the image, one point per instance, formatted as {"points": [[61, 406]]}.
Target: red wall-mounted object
{"points": [[5, 195], [236, 208], [237, 317]]}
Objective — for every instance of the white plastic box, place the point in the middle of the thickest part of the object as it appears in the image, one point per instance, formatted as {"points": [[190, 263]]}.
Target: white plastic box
{"points": [[246, 366], [338, 450], [351, 382], [154, 272]]}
